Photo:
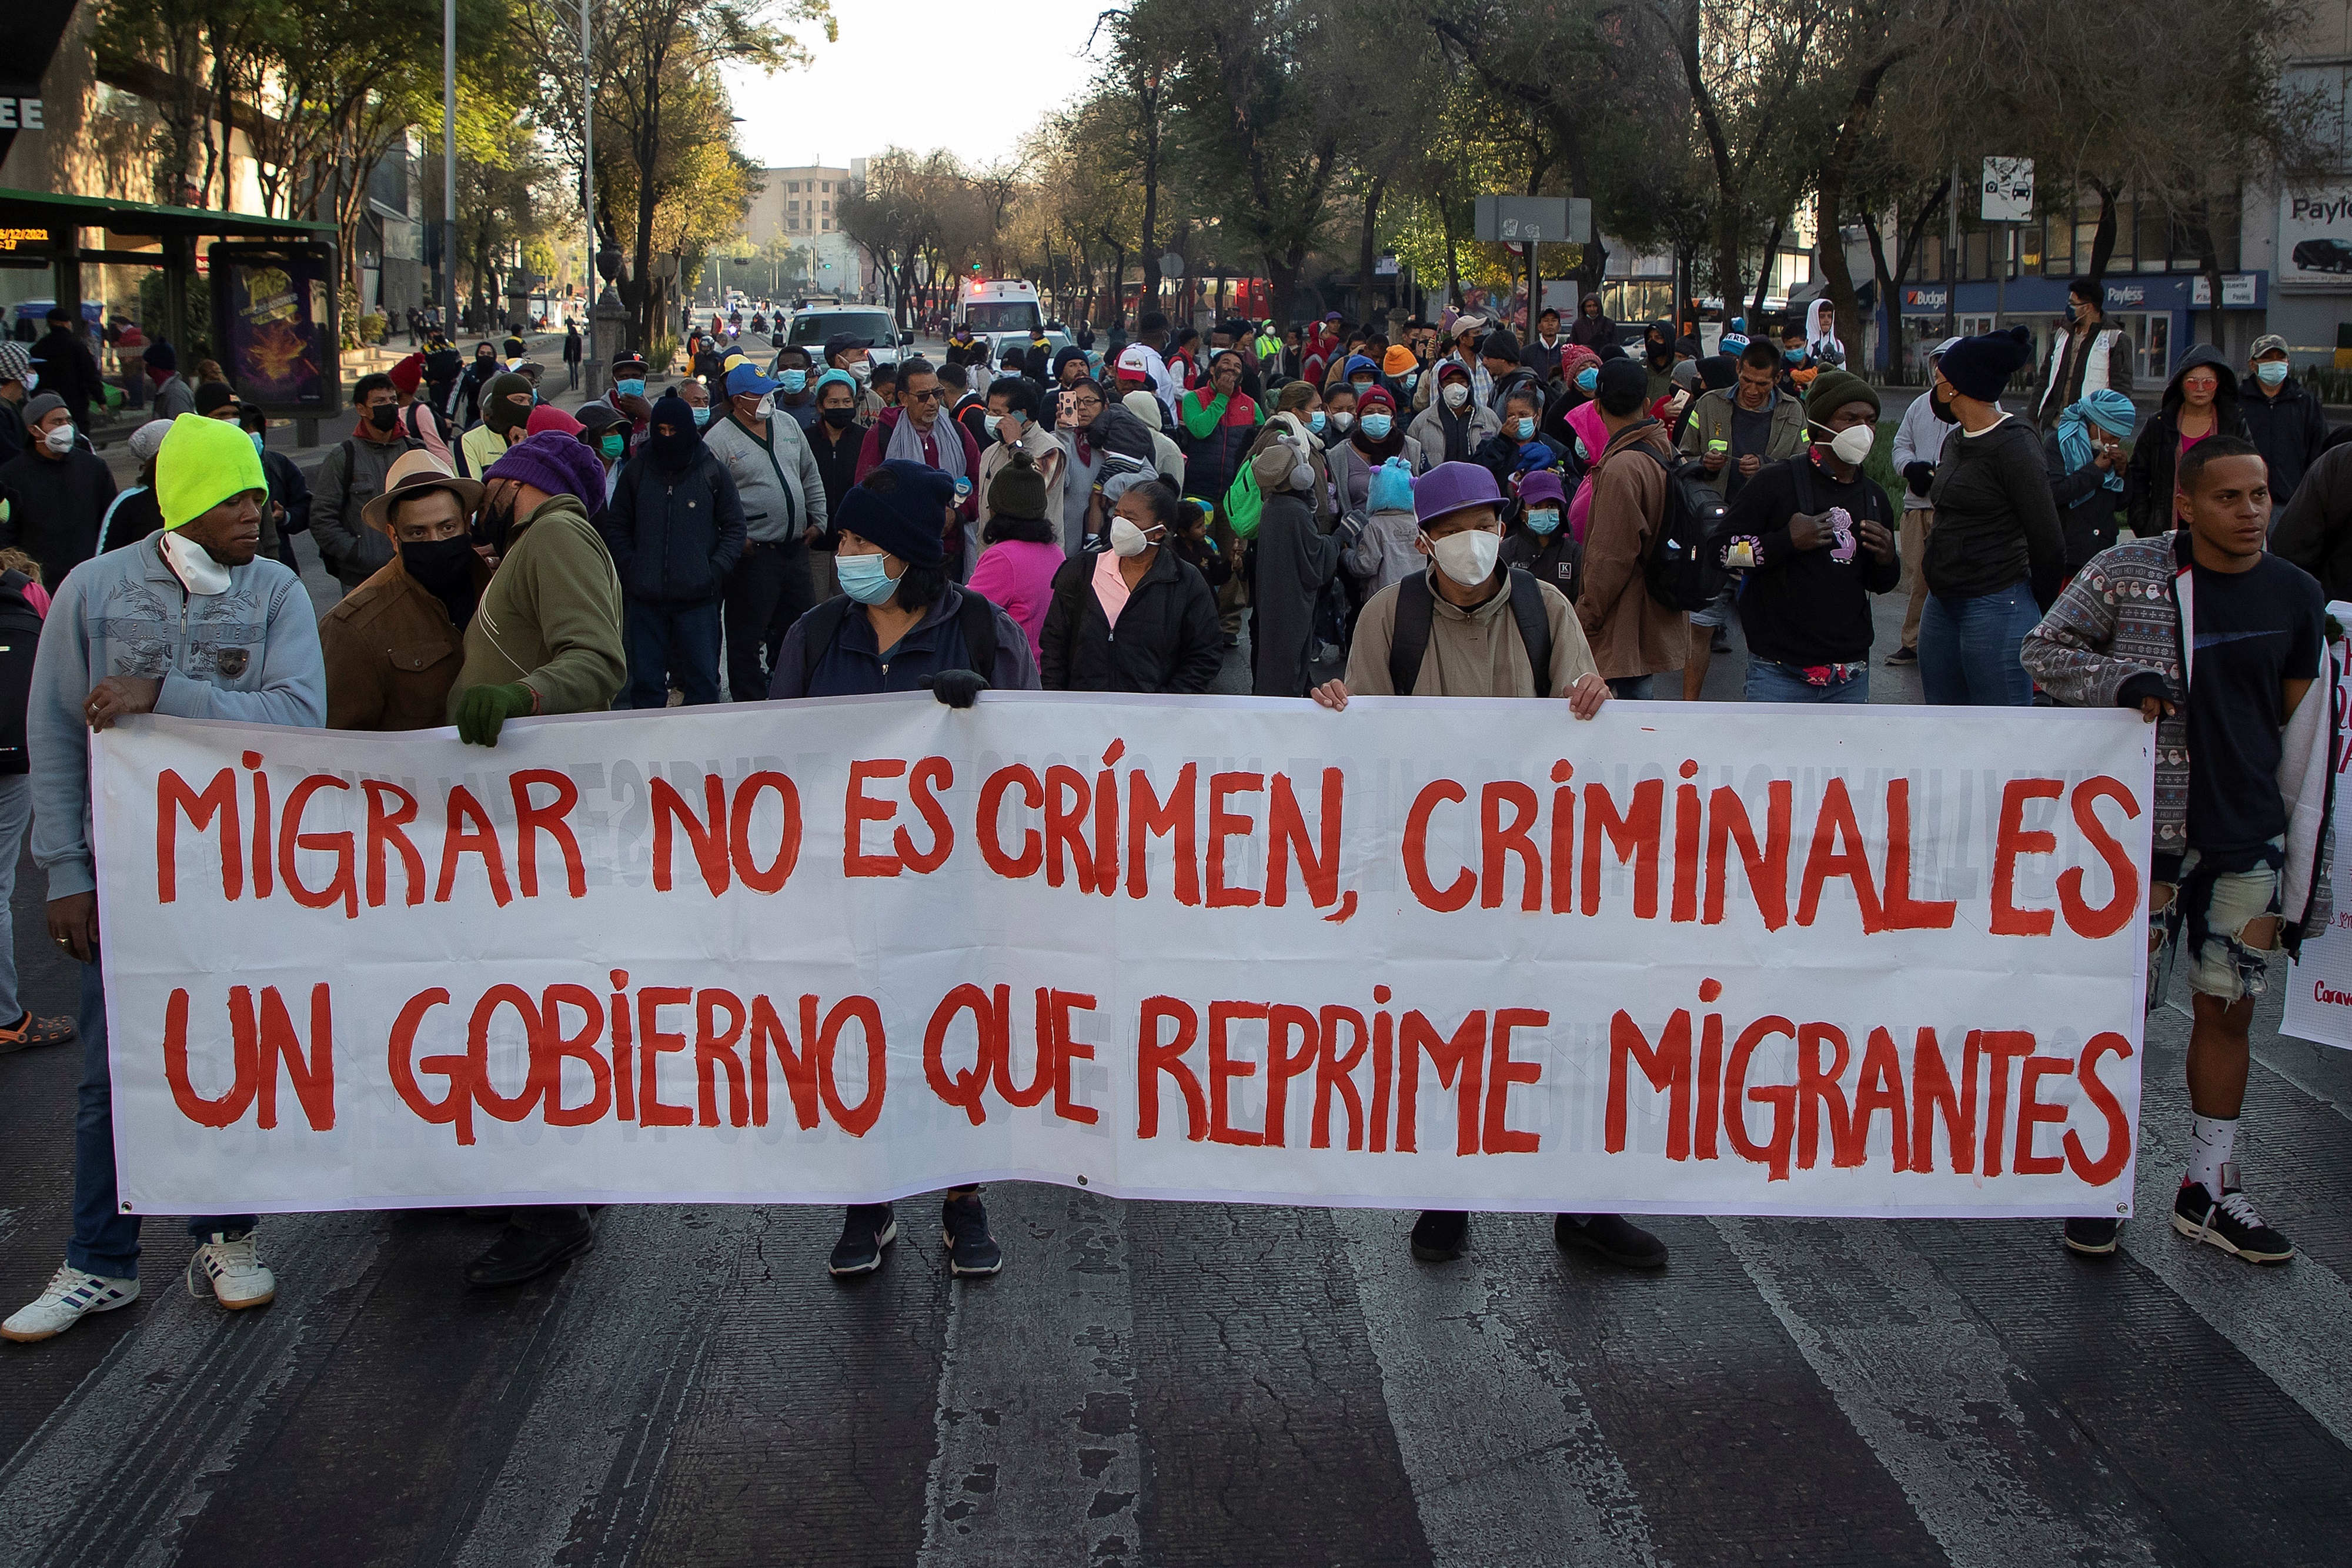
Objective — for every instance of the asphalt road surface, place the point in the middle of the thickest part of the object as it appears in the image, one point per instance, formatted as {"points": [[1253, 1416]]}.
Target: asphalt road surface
{"points": [[1165, 1384]]}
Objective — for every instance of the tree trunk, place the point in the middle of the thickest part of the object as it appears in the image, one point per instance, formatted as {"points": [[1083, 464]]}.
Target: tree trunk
{"points": [[1148, 100], [2102, 240], [1367, 255], [1764, 279], [1453, 265], [1830, 191]]}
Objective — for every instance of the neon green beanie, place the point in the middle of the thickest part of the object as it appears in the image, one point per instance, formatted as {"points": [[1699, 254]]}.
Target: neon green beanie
{"points": [[202, 463]]}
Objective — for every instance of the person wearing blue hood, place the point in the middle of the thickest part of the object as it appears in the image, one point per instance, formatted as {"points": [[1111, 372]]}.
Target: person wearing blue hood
{"points": [[676, 530], [2200, 400], [2084, 454]]}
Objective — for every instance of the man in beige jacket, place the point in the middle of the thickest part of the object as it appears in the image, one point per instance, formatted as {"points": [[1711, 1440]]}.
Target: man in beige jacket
{"points": [[1469, 627]]}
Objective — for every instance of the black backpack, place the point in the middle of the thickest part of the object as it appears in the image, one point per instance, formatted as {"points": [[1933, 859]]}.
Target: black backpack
{"points": [[1416, 605], [976, 617], [20, 636], [1683, 566]]}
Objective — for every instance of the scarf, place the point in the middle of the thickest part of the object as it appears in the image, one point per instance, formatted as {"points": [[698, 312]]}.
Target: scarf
{"points": [[1378, 452], [906, 442], [2111, 412]]}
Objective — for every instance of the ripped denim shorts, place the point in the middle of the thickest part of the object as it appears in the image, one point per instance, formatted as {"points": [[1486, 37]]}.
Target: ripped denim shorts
{"points": [[2222, 965]]}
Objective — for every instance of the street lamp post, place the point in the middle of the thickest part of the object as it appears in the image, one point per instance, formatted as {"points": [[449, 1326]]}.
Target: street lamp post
{"points": [[591, 364], [450, 168]]}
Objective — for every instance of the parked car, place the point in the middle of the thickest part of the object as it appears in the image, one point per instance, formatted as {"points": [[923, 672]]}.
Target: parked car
{"points": [[2323, 255], [812, 328]]}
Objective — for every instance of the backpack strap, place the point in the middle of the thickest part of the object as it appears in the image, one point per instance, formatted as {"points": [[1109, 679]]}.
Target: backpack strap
{"points": [[1534, 625], [107, 521], [1409, 635], [824, 626], [976, 618]]}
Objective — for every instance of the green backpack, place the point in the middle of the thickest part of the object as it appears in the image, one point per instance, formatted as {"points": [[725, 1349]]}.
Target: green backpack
{"points": [[1243, 503]]}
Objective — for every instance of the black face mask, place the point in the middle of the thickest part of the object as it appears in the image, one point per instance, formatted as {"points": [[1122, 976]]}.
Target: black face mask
{"points": [[383, 418], [840, 418], [492, 523], [1941, 408], [439, 564]]}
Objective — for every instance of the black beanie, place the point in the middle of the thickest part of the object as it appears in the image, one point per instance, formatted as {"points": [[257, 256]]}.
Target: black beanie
{"points": [[909, 521], [1979, 367], [1018, 490]]}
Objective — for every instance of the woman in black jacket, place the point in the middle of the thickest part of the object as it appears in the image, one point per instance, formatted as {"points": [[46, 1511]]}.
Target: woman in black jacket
{"points": [[1162, 635], [2200, 400], [676, 530]]}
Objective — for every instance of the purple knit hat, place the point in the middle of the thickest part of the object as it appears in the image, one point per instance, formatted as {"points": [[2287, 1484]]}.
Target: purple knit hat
{"points": [[1450, 487], [555, 462]]}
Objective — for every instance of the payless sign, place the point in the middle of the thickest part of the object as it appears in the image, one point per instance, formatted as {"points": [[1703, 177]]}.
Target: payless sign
{"points": [[36, 28], [2314, 237]]}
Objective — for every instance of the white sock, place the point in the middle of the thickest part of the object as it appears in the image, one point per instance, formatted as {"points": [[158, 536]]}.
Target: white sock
{"points": [[2210, 1138]]}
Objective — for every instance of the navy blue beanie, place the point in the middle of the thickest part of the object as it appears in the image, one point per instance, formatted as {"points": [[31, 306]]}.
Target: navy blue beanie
{"points": [[906, 514]]}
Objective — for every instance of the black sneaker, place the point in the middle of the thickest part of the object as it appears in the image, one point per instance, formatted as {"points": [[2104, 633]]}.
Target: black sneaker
{"points": [[1904, 656], [866, 1230], [1440, 1235], [963, 1231], [1612, 1236], [2231, 1224], [2093, 1238]]}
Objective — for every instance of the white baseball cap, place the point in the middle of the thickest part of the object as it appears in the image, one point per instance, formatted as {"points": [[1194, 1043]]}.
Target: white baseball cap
{"points": [[1135, 357]]}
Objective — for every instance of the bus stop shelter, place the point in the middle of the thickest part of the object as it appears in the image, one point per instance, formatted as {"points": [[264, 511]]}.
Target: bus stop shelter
{"points": [[61, 232]]}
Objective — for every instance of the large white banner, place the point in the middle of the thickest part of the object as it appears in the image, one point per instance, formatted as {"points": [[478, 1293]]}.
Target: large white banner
{"points": [[2319, 985], [1721, 959]]}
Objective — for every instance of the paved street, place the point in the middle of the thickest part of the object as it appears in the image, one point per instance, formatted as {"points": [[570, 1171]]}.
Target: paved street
{"points": [[1160, 1384]]}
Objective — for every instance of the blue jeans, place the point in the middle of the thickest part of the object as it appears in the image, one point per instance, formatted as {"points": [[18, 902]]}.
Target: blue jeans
{"points": [[664, 642], [1769, 681], [16, 815], [1632, 688], [105, 1239], [1969, 649]]}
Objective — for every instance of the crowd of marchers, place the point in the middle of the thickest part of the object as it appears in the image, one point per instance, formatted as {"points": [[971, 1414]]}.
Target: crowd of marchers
{"points": [[1437, 510]]}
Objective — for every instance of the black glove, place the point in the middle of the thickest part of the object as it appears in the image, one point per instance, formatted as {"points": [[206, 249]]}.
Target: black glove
{"points": [[1919, 475], [956, 688], [2140, 688]]}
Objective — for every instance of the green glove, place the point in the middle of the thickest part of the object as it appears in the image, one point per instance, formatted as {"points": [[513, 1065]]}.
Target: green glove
{"points": [[483, 710]]}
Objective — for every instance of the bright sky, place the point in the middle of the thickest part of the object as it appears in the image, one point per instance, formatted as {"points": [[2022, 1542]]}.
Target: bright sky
{"points": [[883, 82]]}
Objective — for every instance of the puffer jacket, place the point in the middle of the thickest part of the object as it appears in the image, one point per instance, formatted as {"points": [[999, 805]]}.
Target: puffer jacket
{"points": [[675, 534], [1166, 640]]}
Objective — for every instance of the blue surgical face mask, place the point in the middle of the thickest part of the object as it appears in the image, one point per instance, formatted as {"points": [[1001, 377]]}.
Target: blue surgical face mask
{"points": [[1794, 356], [2271, 372], [634, 387], [793, 382], [1587, 378], [1314, 422], [259, 444], [1377, 426], [1409, 378], [1544, 522], [1524, 428], [864, 578], [701, 415]]}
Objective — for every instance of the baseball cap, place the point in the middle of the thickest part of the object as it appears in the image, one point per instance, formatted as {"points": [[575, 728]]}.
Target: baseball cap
{"points": [[746, 379], [1135, 362]]}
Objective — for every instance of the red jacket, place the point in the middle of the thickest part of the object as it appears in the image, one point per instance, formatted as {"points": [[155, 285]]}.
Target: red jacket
{"points": [[878, 447]]}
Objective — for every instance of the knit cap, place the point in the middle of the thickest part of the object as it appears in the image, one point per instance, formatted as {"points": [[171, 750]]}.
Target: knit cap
{"points": [[1019, 489], [15, 362], [551, 462], [1833, 390], [1979, 367], [202, 463], [909, 521], [1397, 360], [406, 374], [147, 439]]}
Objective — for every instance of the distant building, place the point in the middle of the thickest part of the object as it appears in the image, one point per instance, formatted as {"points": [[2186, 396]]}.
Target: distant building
{"points": [[800, 207]]}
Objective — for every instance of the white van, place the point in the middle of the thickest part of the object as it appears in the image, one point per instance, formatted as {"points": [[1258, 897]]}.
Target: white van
{"points": [[1000, 310]]}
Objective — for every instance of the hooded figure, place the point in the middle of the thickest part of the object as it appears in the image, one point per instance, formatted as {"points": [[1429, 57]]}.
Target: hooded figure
{"points": [[503, 423], [2084, 456], [1292, 562], [1592, 329], [2177, 425], [1658, 359], [675, 528]]}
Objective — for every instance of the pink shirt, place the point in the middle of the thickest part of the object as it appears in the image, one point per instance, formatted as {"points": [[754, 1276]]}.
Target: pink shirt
{"points": [[1110, 589]]}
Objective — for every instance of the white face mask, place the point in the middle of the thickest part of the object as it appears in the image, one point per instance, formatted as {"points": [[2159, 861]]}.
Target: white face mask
{"points": [[1127, 539], [1852, 444], [766, 409], [1468, 557], [1343, 421], [1456, 395], [862, 370], [60, 439], [992, 422], [198, 572]]}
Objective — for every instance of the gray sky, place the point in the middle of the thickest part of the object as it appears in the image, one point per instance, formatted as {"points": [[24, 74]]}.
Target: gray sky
{"points": [[888, 81]]}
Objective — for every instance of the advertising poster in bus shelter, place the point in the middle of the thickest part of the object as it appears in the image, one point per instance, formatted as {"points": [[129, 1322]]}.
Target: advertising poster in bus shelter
{"points": [[274, 319]]}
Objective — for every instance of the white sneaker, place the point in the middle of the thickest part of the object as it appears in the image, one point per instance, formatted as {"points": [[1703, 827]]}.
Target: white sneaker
{"points": [[235, 1270], [71, 1292]]}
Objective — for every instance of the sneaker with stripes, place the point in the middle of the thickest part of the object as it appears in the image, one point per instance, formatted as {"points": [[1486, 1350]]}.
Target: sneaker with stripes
{"points": [[2229, 1222], [70, 1296], [231, 1266]]}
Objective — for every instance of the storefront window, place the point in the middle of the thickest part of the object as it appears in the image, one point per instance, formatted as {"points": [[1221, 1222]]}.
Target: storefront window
{"points": [[2058, 246]]}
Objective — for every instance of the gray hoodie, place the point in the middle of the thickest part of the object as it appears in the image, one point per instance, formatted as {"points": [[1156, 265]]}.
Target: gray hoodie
{"points": [[249, 653]]}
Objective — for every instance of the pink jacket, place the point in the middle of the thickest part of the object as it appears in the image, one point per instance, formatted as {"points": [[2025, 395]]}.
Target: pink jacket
{"points": [[1017, 577], [1585, 420]]}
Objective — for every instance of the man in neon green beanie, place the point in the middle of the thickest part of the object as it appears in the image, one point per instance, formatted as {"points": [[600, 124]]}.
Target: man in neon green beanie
{"points": [[125, 635]]}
